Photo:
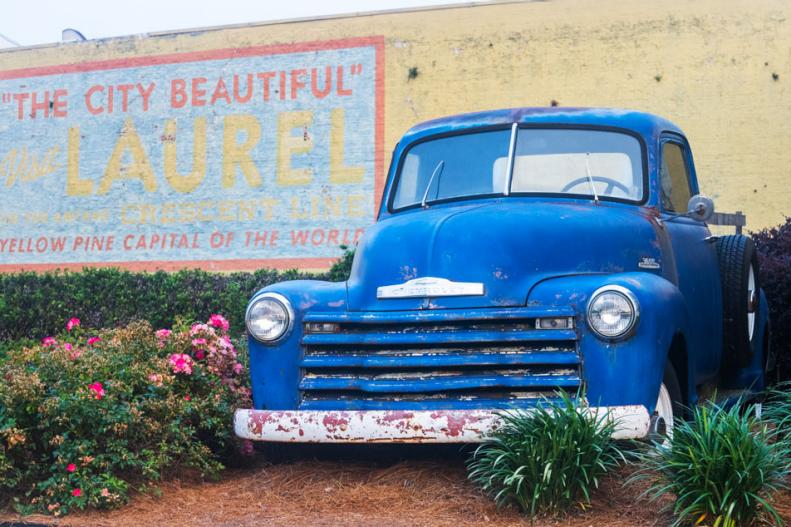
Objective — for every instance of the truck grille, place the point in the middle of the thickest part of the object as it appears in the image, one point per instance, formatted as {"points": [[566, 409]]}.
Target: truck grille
{"points": [[488, 358]]}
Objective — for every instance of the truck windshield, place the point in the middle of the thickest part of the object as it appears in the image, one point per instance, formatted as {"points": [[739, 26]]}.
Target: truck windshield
{"points": [[590, 163]]}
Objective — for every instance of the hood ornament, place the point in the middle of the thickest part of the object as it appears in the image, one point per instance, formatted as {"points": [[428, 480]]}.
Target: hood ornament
{"points": [[429, 286]]}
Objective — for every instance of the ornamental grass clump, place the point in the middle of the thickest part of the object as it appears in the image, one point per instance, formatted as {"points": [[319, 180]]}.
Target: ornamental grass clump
{"points": [[86, 417], [777, 411], [547, 459], [723, 466]]}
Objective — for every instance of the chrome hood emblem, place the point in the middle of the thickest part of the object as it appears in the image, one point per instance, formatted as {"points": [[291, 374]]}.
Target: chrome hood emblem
{"points": [[429, 286]]}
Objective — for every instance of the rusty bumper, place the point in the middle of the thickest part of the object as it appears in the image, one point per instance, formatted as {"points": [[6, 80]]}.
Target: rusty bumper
{"points": [[419, 426]]}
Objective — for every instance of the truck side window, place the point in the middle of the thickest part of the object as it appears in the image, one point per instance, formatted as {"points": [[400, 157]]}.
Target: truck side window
{"points": [[674, 179]]}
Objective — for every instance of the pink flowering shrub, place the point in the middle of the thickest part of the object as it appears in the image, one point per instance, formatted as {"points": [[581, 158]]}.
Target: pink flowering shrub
{"points": [[86, 416]]}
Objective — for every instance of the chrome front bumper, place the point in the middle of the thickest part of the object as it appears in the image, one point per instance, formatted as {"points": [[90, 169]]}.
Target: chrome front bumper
{"points": [[403, 426]]}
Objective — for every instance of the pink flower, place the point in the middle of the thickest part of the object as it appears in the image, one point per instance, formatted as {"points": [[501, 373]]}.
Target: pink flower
{"points": [[93, 340], [71, 467], [163, 334], [75, 354], [48, 341], [219, 322], [187, 398], [198, 342], [76, 493], [105, 493], [200, 354], [181, 363], [155, 379], [97, 389], [225, 347], [67, 346], [237, 368], [198, 329], [72, 323]]}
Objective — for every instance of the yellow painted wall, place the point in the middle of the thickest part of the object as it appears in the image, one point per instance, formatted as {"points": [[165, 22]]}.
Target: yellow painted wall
{"points": [[708, 65]]}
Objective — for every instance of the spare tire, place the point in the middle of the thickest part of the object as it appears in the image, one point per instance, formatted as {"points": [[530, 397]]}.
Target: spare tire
{"points": [[740, 292]]}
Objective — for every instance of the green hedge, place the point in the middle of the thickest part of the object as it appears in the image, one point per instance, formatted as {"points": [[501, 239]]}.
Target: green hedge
{"points": [[34, 305]]}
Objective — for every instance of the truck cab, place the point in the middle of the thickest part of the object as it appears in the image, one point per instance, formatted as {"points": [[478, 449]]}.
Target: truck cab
{"points": [[516, 253]]}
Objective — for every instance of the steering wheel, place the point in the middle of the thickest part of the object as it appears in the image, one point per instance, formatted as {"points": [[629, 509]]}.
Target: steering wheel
{"points": [[611, 184]]}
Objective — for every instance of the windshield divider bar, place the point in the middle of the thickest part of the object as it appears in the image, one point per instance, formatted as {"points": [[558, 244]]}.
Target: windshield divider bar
{"points": [[590, 179], [511, 158]]}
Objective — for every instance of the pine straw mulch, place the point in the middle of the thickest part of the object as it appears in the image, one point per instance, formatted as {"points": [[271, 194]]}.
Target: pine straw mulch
{"points": [[321, 490]]}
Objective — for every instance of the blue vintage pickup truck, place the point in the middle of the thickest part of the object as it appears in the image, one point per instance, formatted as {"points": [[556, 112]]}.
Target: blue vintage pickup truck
{"points": [[516, 253]]}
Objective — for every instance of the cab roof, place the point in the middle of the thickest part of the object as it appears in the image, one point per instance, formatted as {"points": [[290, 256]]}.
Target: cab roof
{"points": [[645, 124]]}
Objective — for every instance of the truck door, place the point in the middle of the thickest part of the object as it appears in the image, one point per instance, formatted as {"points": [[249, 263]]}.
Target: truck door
{"points": [[695, 257]]}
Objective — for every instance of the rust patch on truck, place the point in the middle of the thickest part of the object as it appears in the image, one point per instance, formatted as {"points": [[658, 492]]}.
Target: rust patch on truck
{"points": [[333, 423]]}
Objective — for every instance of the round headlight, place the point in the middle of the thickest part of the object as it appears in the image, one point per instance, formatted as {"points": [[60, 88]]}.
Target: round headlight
{"points": [[269, 317], [613, 312]]}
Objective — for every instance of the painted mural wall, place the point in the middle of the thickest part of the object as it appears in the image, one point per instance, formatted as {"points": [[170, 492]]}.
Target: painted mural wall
{"points": [[242, 157], [266, 145]]}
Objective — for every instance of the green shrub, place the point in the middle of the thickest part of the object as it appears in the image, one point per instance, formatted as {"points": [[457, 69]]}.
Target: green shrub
{"points": [[6, 347], [545, 460], [86, 416], [35, 304], [341, 269], [774, 260], [723, 467]]}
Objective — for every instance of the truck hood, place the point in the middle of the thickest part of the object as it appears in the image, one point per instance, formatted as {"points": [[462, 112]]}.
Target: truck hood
{"points": [[508, 245]]}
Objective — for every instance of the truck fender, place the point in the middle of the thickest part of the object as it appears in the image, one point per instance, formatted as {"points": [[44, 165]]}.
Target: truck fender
{"points": [[627, 371], [274, 369]]}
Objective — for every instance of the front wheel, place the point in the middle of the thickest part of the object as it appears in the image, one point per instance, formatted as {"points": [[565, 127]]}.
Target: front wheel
{"points": [[668, 405]]}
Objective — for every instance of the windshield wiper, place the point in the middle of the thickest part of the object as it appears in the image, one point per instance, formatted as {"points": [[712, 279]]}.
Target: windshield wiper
{"points": [[590, 179], [437, 171]]}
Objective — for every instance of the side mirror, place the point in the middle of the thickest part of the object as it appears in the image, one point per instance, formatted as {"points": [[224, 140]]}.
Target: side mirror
{"points": [[700, 207]]}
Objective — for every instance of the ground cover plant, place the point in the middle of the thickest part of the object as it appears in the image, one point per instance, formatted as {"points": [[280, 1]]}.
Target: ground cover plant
{"points": [[777, 411], [545, 460], [723, 466], [86, 416]]}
